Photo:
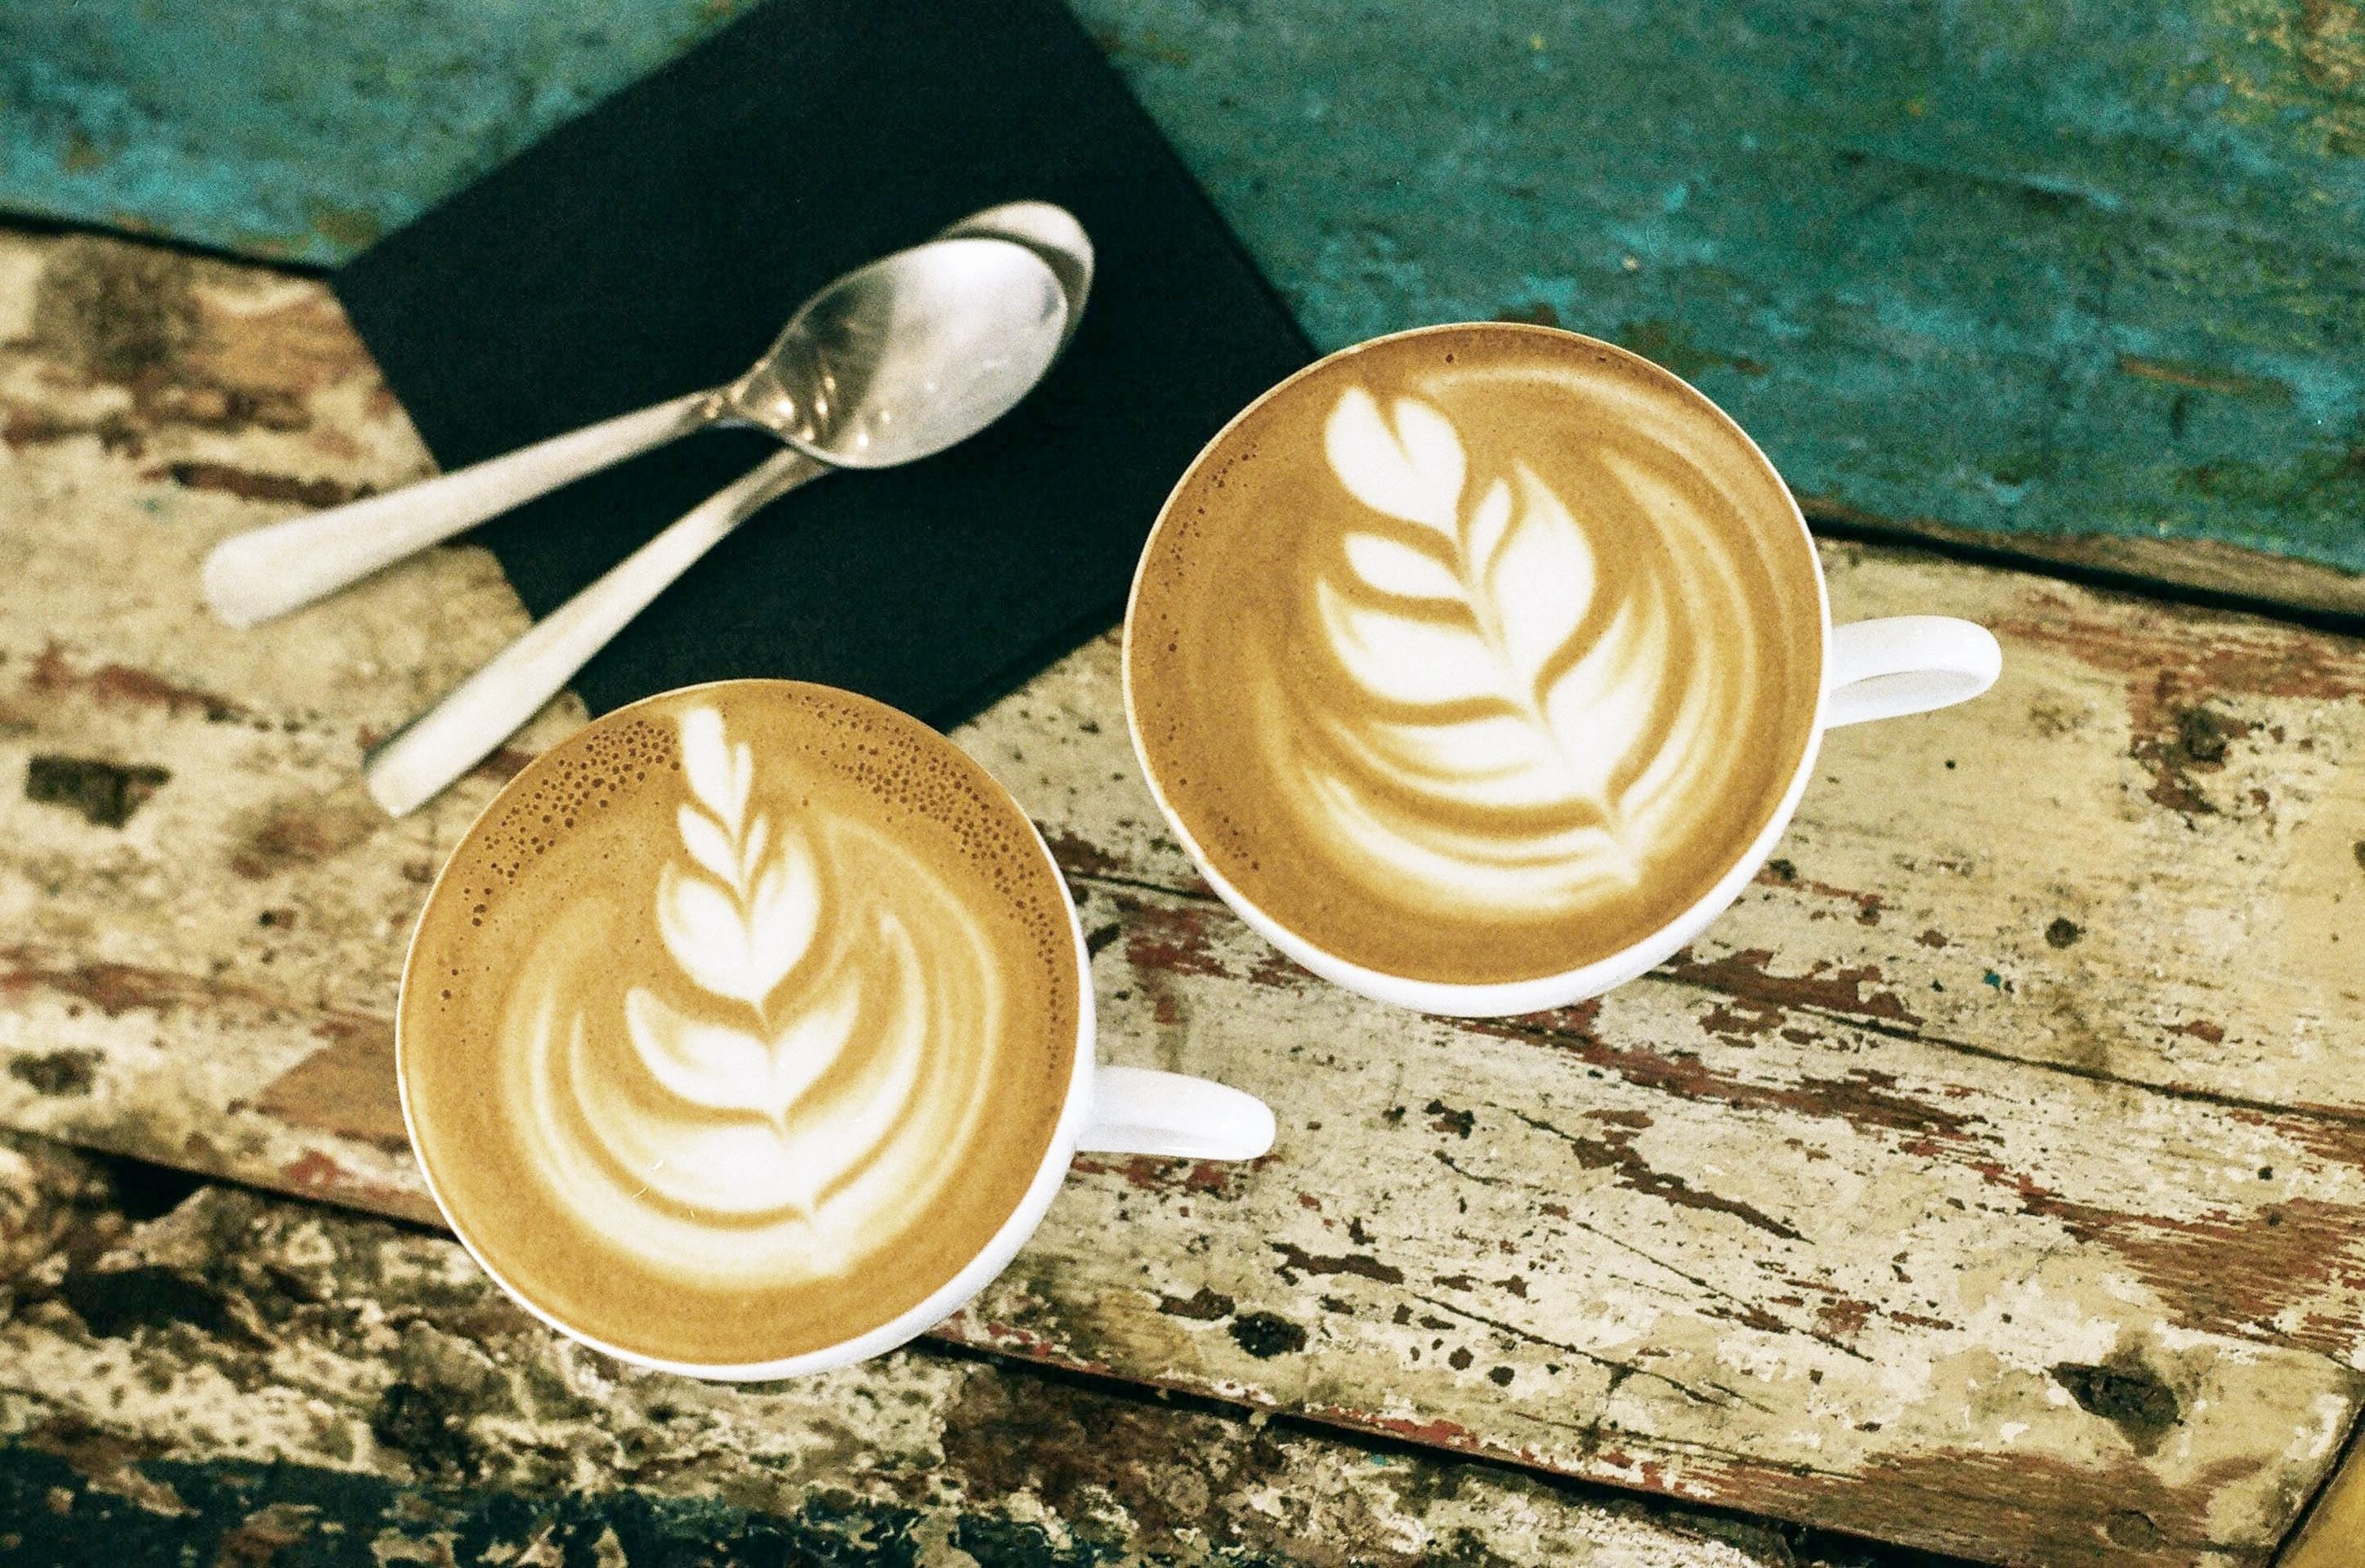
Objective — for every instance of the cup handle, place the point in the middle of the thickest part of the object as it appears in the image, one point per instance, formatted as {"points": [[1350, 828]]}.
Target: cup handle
{"points": [[1138, 1110], [1906, 663]]}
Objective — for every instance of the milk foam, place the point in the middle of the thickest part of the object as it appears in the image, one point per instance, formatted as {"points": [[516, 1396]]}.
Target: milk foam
{"points": [[1527, 732], [739, 1023], [1476, 654], [778, 1098]]}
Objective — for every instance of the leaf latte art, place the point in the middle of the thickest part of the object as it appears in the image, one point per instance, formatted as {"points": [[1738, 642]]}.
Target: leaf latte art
{"points": [[740, 1096], [768, 1041], [1527, 727], [1475, 654]]}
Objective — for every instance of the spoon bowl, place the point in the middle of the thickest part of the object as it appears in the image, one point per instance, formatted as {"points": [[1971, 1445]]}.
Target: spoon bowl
{"points": [[898, 360], [1050, 231]]}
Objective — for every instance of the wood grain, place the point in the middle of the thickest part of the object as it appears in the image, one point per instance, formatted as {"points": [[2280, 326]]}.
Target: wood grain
{"points": [[2202, 570], [244, 1373], [1991, 1178]]}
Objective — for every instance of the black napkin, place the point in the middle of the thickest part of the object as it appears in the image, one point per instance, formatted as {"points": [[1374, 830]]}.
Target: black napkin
{"points": [[656, 246]]}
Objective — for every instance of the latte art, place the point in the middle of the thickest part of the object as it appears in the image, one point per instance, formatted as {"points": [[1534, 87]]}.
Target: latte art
{"points": [[778, 1079], [739, 1023], [1510, 678], [1475, 655]]}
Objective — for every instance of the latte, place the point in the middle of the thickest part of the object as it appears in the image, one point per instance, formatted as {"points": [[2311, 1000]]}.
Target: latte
{"points": [[1476, 654], [739, 1023]]}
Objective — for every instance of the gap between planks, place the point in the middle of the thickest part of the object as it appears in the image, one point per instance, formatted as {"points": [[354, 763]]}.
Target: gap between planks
{"points": [[165, 1335]]}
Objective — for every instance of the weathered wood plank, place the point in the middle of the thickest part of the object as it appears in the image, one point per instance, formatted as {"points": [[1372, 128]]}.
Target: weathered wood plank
{"points": [[251, 1374], [2050, 271], [1821, 1220], [1823, 1271], [147, 403], [2138, 858], [57, 1208], [2087, 276], [2207, 570]]}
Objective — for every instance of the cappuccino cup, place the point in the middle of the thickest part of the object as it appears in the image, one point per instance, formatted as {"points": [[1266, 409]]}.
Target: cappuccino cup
{"points": [[1479, 668], [748, 1032]]}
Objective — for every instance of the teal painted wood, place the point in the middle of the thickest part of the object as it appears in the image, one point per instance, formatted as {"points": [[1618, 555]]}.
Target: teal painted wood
{"points": [[300, 129], [2033, 265], [2048, 268]]}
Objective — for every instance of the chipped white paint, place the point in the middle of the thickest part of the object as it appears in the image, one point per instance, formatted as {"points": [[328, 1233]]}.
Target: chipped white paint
{"points": [[1802, 1222], [356, 1306]]}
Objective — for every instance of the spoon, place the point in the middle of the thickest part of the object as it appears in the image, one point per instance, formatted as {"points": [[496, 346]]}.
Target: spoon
{"points": [[890, 363], [265, 572], [1051, 232]]}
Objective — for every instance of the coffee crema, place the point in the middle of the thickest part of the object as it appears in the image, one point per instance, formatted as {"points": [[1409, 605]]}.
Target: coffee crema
{"points": [[1477, 653], [739, 1023]]}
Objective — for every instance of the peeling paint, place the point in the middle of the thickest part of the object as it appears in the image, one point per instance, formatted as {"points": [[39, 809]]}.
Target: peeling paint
{"points": [[55, 674], [1818, 1209], [250, 485], [1824, 986], [147, 1413], [104, 793]]}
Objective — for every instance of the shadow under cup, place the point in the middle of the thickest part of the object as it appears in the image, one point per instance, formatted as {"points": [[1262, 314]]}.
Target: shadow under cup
{"points": [[1479, 667], [746, 1032]]}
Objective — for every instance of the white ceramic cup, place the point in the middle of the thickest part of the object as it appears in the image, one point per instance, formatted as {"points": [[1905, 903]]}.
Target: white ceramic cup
{"points": [[1108, 1110], [1872, 669]]}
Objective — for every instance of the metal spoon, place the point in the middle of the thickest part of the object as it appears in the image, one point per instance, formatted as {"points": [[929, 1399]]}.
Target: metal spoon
{"points": [[890, 363], [1052, 233], [266, 572]]}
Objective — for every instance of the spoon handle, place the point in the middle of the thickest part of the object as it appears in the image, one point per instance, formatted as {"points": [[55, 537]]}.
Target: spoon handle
{"points": [[268, 571], [413, 764]]}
